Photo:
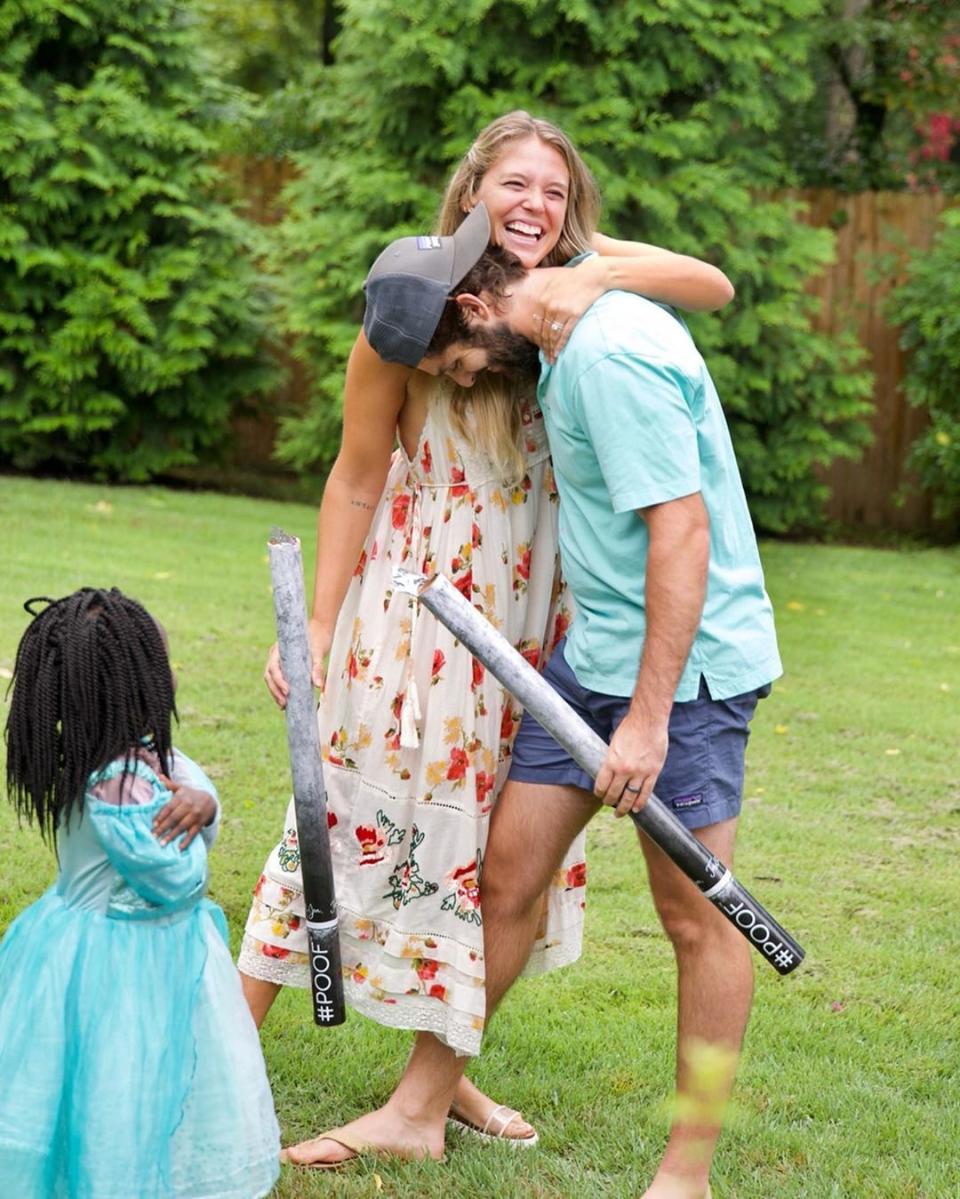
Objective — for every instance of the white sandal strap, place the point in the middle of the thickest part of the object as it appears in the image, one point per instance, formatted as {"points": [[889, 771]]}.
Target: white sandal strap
{"points": [[505, 1115]]}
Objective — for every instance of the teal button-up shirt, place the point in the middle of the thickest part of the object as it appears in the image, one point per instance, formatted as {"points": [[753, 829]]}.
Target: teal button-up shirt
{"points": [[633, 419]]}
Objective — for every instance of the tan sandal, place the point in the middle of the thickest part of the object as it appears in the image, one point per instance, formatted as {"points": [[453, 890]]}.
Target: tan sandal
{"points": [[494, 1127], [339, 1136], [359, 1149]]}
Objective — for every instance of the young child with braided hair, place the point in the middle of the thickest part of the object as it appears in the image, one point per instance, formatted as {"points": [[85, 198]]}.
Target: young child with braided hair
{"points": [[129, 1062]]}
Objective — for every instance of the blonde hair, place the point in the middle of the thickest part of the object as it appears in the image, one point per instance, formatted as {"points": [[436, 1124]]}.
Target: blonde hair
{"points": [[487, 415], [583, 200]]}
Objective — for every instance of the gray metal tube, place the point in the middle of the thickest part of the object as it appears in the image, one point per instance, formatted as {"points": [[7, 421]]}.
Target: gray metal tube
{"points": [[309, 794], [589, 750]]}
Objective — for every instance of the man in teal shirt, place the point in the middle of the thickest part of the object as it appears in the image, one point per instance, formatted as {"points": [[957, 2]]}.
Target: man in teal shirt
{"points": [[634, 422], [671, 647]]}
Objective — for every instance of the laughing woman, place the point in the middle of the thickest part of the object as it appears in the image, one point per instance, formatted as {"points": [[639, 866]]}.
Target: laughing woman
{"points": [[416, 737]]}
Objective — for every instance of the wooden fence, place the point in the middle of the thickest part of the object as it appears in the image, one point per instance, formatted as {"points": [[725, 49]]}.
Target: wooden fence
{"points": [[868, 225]]}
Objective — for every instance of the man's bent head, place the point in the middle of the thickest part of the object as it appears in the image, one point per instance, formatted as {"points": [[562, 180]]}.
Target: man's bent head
{"points": [[493, 347], [471, 334]]}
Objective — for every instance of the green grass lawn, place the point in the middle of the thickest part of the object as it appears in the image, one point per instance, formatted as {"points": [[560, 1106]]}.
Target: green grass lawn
{"points": [[851, 832]]}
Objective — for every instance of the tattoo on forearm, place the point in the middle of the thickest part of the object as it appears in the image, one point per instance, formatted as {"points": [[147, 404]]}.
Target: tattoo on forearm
{"points": [[361, 504]]}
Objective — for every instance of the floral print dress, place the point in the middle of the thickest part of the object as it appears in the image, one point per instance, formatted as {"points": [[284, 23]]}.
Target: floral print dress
{"points": [[416, 741]]}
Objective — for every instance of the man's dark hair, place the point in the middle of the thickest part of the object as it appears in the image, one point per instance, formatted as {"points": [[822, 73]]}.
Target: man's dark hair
{"points": [[91, 683], [492, 274]]}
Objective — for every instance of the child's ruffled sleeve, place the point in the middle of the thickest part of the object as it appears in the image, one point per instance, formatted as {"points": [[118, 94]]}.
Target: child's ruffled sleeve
{"points": [[122, 816]]}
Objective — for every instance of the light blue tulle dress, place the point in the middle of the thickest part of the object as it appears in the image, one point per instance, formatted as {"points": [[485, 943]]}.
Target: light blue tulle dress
{"points": [[130, 1067]]}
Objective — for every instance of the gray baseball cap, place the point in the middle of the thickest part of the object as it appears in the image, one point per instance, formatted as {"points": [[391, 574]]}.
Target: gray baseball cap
{"points": [[409, 283]]}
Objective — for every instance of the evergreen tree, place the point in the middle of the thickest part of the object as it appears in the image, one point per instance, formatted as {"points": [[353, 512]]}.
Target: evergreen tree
{"points": [[263, 45], [674, 105], [131, 318], [927, 305], [884, 114]]}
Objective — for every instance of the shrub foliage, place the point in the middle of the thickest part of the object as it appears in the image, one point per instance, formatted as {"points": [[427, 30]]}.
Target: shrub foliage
{"points": [[927, 305], [675, 106], [130, 314], [884, 115]]}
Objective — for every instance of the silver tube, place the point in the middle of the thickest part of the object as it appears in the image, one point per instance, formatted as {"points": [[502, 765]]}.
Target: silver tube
{"points": [[713, 879], [309, 794]]}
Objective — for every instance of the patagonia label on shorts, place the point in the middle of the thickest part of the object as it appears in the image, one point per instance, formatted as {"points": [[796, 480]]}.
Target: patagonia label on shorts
{"points": [[428, 243], [682, 802]]}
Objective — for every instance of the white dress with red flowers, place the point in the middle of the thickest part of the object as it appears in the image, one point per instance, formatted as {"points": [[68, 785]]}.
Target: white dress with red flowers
{"points": [[416, 742]]}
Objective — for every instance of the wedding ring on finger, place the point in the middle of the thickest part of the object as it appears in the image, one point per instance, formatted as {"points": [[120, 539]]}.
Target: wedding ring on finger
{"points": [[556, 326], [634, 790]]}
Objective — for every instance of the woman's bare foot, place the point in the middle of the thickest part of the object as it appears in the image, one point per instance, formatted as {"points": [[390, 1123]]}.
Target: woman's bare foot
{"points": [[473, 1107], [381, 1131]]}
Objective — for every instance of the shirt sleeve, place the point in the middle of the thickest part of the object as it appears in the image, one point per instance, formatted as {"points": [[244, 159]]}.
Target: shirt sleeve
{"points": [[636, 414]]}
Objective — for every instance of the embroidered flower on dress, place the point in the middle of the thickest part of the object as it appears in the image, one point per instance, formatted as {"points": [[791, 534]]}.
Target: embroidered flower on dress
{"points": [[372, 840], [407, 882], [464, 900]]}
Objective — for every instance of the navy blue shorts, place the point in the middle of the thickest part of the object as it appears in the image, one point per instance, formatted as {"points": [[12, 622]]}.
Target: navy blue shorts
{"points": [[702, 778]]}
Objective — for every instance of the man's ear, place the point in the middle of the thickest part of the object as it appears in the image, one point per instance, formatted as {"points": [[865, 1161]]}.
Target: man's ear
{"points": [[474, 308]]}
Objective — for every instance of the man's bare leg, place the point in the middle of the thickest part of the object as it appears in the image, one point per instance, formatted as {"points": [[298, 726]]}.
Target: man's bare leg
{"points": [[523, 853], [533, 826], [714, 993]]}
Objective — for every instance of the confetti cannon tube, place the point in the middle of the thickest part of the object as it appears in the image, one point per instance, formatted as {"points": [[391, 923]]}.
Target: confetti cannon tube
{"points": [[309, 795], [706, 871]]}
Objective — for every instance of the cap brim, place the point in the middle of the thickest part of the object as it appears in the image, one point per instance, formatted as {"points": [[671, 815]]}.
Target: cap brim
{"points": [[470, 240]]}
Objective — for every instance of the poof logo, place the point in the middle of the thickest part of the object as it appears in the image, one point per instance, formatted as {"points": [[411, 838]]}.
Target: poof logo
{"points": [[322, 983], [759, 933]]}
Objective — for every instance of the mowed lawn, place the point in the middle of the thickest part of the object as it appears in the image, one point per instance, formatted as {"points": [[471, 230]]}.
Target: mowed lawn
{"points": [[850, 835]]}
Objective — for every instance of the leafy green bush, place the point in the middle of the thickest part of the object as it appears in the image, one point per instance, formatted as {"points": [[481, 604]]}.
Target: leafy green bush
{"points": [[263, 45], [675, 107], [887, 74], [928, 308], [131, 318]]}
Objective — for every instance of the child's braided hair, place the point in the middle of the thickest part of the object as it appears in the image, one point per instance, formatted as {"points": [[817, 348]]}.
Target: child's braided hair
{"points": [[91, 683]]}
